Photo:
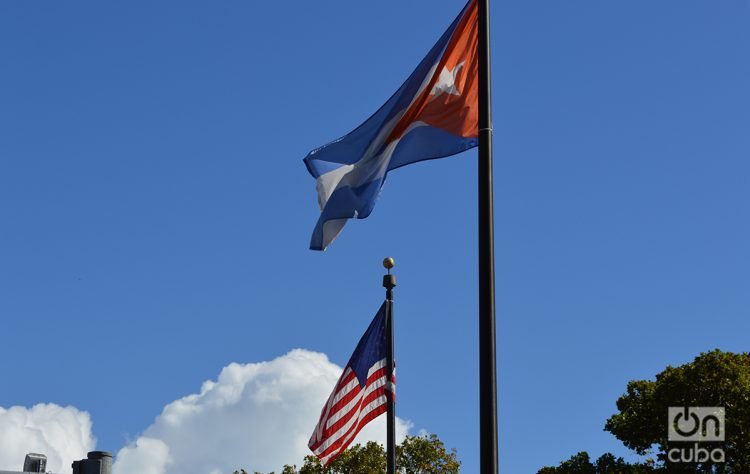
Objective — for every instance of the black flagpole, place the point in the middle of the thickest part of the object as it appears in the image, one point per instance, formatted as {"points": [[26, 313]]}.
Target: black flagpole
{"points": [[389, 282], [487, 351]]}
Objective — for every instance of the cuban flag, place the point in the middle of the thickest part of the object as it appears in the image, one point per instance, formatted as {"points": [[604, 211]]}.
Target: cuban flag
{"points": [[360, 395], [434, 114]]}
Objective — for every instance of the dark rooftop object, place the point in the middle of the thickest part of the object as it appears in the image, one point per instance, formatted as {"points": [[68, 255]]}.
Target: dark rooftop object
{"points": [[35, 463], [98, 462]]}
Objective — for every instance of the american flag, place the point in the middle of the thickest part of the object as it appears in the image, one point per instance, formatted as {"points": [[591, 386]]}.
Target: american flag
{"points": [[359, 396]]}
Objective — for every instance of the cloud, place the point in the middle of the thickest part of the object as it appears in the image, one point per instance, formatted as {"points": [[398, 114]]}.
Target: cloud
{"points": [[256, 416], [63, 434], [145, 456]]}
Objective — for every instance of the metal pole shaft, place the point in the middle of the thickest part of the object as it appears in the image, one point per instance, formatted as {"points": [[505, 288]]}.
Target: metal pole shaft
{"points": [[389, 282], [487, 349]]}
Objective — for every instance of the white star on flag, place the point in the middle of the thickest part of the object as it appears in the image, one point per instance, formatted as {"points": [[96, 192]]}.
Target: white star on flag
{"points": [[447, 81]]}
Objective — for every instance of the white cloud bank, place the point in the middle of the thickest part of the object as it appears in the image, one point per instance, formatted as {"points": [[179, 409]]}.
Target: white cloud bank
{"points": [[254, 416], [63, 434], [257, 416]]}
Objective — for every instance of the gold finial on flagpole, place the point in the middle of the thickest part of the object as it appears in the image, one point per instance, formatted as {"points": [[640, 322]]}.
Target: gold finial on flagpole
{"points": [[389, 263]]}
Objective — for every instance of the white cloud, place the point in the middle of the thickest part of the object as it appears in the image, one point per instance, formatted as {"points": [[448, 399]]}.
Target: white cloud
{"points": [[145, 456], [257, 416], [63, 434], [254, 416]]}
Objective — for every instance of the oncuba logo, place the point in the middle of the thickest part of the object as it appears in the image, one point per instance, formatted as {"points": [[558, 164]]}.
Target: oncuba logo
{"points": [[696, 425]]}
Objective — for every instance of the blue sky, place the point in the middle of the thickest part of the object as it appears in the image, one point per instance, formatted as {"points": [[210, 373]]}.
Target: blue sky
{"points": [[155, 212]]}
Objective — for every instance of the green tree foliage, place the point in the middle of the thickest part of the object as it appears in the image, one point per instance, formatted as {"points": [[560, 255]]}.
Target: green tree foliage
{"points": [[416, 455], [355, 460], [714, 378], [425, 455], [607, 464]]}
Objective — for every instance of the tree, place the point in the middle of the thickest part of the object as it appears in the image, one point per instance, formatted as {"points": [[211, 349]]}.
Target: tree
{"points": [[356, 460], [416, 455], [578, 464], [713, 379], [607, 464], [425, 455]]}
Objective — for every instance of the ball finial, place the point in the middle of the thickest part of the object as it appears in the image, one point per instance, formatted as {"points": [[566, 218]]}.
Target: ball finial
{"points": [[389, 263]]}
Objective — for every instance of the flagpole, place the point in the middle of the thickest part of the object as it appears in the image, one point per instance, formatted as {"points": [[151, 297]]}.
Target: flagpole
{"points": [[487, 348], [389, 282]]}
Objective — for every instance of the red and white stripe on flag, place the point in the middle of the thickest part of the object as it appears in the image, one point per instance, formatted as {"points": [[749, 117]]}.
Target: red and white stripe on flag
{"points": [[349, 408]]}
